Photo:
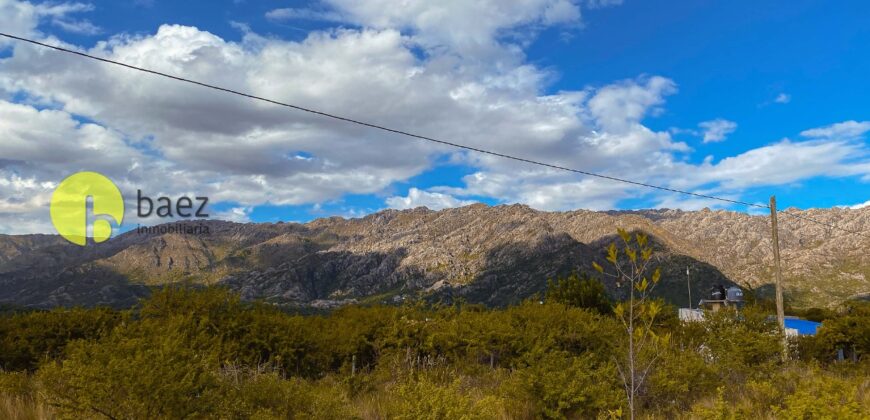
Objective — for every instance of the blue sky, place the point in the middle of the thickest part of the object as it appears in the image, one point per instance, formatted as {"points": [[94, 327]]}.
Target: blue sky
{"points": [[737, 99]]}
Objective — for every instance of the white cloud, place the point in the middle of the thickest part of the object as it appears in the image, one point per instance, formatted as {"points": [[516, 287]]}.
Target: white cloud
{"points": [[597, 4], [290, 13], [717, 130], [83, 27], [543, 190], [22, 18], [845, 129], [235, 214], [173, 139], [860, 206], [472, 29], [621, 106], [18, 18], [420, 198], [197, 133], [780, 163], [42, 147], [782, 98], [692, 203]]}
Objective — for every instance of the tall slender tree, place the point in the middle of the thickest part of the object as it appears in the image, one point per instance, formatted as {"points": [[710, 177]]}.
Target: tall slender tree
{"points": [[631, 267]]}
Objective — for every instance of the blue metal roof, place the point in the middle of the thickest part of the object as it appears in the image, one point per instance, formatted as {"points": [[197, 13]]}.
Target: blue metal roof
{"points": [[802, 326]]}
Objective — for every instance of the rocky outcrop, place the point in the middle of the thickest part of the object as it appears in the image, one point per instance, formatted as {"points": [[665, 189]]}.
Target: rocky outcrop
{"points": [[494, 255]]}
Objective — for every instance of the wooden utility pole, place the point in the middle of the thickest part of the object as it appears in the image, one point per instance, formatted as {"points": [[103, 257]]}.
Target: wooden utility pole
{"points": [[689, 285], [780, 311]]}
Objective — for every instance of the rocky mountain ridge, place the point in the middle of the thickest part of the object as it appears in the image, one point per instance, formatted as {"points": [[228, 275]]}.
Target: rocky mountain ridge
{"points": [[494, 255]]}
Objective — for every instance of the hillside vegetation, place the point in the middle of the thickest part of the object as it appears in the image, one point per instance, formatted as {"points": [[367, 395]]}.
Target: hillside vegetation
{"points": [[205, 353]]}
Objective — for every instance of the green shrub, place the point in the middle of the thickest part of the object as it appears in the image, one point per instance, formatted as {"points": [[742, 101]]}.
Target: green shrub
{"points": [[680, 378], [146, 370], [29, 337], [204, 353], [266, 395], [849, 332], [820, 396], [427, 399], [560, 385], [743, 344], [580, 291]]}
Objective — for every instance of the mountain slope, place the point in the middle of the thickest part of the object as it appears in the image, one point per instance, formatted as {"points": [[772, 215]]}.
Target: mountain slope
{"points": [[494, 255]]}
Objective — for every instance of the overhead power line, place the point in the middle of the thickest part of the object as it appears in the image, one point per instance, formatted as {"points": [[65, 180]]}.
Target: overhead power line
{"points": [[381, 127], [418, 136]]}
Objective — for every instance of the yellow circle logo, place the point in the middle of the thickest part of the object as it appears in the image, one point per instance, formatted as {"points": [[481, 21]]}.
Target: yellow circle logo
{"points": [[69, 207]]}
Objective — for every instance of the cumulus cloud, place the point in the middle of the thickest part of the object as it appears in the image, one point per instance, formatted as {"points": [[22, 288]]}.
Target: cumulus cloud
{"points": [[845, 129], [246, 152], [22, 18], [229, 146], [780, 163], [621, 106], [174, 139], [472, 29], [716, 130], [432, 200], [18, 18]]}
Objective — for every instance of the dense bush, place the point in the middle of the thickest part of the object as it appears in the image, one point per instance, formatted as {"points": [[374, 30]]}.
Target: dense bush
{"points": [[580, 291], [558, 384], [204, 353], [142, 370], [28, 337], [849, 332], [794, 392]]}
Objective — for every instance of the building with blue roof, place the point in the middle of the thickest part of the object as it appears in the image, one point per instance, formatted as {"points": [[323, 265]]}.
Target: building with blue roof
{"points": [[801, 326]]}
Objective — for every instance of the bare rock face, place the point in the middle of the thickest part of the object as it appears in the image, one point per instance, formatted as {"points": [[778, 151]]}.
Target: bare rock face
{"points": [[494, 255]]}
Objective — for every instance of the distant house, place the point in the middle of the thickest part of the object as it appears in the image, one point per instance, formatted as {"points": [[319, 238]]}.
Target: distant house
{"points": [[796, 326], [793, 326]]}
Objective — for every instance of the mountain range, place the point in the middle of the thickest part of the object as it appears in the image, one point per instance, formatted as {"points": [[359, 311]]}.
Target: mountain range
{"points": [[495, 255]]}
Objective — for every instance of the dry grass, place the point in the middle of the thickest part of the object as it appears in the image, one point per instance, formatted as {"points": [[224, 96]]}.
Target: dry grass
{"points": [[795, 392], [19, 398], [19, 407]]}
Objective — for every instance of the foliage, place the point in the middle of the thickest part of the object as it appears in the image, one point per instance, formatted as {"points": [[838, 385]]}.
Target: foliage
{"points": [[266, 395], [638, 314], [679, 378], [580, 291], [560, 385], [26, 338], [817, 314], [205, 353], [427, 399], [849, 332], [742, 345], [796, 392], [19, 398], [144, 370]]}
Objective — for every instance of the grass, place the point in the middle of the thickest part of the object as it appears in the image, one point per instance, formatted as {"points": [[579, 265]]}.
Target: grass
{"points": [[21, 407]]}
